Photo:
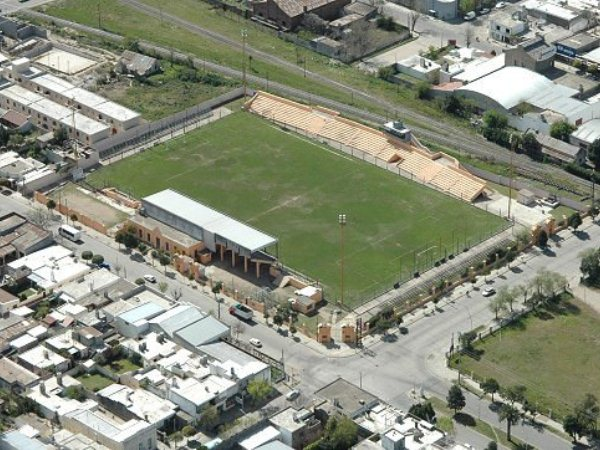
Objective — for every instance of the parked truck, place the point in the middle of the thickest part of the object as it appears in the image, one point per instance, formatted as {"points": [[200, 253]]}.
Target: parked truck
{"points": [[241, 311]]}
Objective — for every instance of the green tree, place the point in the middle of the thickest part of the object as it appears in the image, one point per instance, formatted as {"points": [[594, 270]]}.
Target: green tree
{"points": [[259, 389], [162, 287], [590, 266], [74, 218], [130, 241], [455, 399], [531, 146], [340, 433], [175, 438], [572, 427], [466, 339], [575, 220], [50, 204], [514, 393], [493, 119], [164, 261], [75, 393], [497, 306], [511, 415], [97, 259], [492, 446], [587, 412], [456, 105], [278, 320], [209, 417], [562, 130], [60, 135], [594, 153], [542, 239], [506, 298], [466, 6], [423, 90], [87, 255], [490, 386], [423, 411]]}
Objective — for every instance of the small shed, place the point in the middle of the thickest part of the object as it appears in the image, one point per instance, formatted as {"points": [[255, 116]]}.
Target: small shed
{"points": [[526, 197], [137, 64]]}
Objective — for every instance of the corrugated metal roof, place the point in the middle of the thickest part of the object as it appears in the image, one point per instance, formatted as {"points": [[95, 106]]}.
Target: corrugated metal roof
{"points": [[588, 132], [177, 318], [210, 220], [203, 331], [145, 311]]}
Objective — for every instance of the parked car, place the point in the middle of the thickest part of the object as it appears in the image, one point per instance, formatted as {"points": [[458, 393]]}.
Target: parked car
{"points": [[500, 5], [470, 15], [241, 311], [488, 292], [484, 11], [104, 265], [150, 278], [256, 342], [7, 192], [292, 395]]}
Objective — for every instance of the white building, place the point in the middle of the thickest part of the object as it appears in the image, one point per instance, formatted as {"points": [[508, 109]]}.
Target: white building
{"points": [[107, 430], [420, 68], [49, 398], [47, 268], [152, 348], [139, 402], [40, 359], [193, 395], [88, 103], [505, 27], [135, 322]]}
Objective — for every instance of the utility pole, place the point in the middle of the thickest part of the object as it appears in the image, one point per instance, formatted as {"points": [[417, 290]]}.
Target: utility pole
{"points": [[342, 222], [513, 146], [244, 36], [99, 16]]}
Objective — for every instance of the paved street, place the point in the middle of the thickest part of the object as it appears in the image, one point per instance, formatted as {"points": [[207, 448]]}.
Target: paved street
{"points": [[390, 370], [10, 6]]}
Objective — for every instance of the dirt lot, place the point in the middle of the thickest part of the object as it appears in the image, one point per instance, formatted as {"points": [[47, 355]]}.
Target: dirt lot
{"points": [[73, 197]]}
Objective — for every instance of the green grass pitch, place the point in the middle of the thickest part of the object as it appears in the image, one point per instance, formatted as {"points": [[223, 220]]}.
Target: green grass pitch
{"points": [[294, 189]]}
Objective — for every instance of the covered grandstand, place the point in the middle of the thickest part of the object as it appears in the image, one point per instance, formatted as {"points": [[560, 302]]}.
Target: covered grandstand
{"points": [[436, 169]]}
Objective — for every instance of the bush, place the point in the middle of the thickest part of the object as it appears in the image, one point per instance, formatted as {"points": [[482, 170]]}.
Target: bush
{"points": [[139, 281], [385, 73], [188, 430], [97, 259], [423, 90], [87, 255]]}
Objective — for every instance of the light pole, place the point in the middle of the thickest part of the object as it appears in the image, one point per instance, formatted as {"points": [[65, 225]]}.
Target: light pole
{"points": [[342, 222], [513, 147], [244, 36]]}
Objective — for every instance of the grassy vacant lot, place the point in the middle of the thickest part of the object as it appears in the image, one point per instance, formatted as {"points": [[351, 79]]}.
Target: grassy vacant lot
{"points": [[557, 357], [294, 189], [94, 382], [121, 19], [166, 93], [121, 366]]}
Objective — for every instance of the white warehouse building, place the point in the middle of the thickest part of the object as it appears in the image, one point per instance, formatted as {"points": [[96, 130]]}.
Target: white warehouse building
{"points": [[49, 115], [93, 105]]}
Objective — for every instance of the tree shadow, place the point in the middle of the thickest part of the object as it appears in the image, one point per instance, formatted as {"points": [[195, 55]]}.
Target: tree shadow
{"points": [[549, 252], [516, 269], [464, 419], [543, 314], [582, 235]]}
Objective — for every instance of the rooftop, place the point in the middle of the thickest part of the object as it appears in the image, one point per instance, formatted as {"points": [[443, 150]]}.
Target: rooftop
{"points": [[150, 346], [103, 424], [579, 40], [346, 396], [295, 8], [11, 372], [203, 331], [177, 318], [140, 402], [201, 392], [42, 357], [97, 280], [52, 83], [264, 436], [169, 232], [588, 132], [142, 312], [15, 440], [291, 419], [210, 220]]}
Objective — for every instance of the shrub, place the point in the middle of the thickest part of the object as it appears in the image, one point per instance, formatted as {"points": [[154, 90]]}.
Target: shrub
{"points": [[87, 255], [139, 281], [188, 430], [97, 259]]}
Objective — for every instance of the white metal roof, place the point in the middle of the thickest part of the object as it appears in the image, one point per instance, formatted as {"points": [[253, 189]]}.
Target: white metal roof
{"points": [[52, 83], [116, 111], [593, 56], [510, 86], [480, 68], [588, 132], [84, 124], [210, 220], [21, 95]]}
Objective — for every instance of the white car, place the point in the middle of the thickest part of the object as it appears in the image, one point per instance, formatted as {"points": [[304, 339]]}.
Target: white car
{"points": [[150, 278], [500, 5], [292, 395], [255, 342], [488, 292], [471, 15]]}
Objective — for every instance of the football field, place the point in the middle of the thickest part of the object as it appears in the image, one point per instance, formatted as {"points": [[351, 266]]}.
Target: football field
{"points": [[294, 190]]}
